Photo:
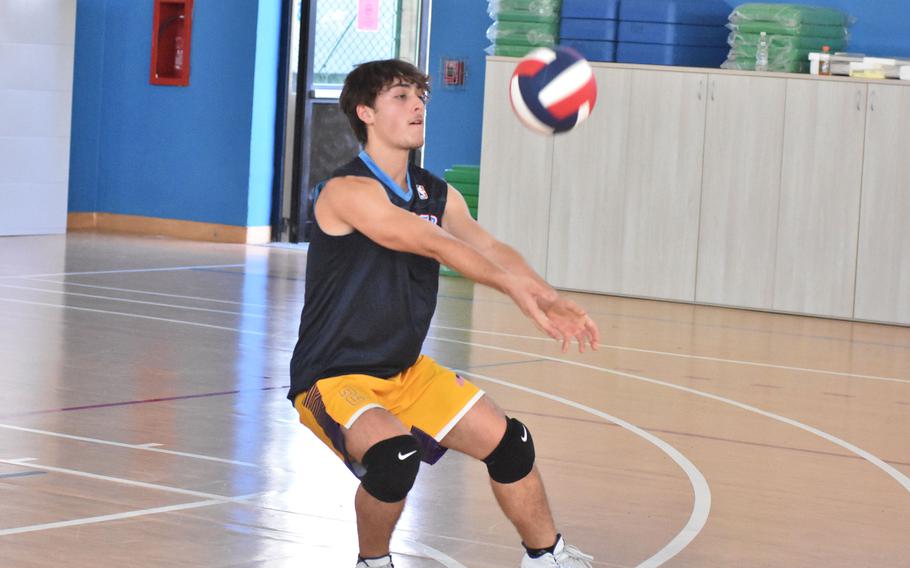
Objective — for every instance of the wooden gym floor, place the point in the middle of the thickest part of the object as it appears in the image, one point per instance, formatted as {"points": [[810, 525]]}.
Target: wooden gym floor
{"points": [[144, 423]]}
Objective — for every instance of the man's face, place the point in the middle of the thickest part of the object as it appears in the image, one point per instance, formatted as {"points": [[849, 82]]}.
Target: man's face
{"points": [[396, 118]]}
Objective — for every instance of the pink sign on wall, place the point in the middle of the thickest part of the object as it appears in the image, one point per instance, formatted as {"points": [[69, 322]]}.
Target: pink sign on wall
{"points": [[368, 15]]}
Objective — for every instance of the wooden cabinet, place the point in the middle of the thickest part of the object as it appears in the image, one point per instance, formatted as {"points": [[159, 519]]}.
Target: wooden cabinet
{"points": [[662, 184], [718, 187], [821, 175], [587, 207], [625, 188], [883, 264], [515, 167], [737, 244]]}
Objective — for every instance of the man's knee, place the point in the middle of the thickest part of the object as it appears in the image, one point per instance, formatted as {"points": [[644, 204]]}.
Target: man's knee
{"points": [[513, 458], [391, 468]]}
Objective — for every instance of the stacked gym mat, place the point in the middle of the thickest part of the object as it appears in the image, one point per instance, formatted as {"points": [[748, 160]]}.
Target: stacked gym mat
{"points": [[590, 27], [659, 32], [673, 32], [522, 25], [466, 179], [793, 30]]}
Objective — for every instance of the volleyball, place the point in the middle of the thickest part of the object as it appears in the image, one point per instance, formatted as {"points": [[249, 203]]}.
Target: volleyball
{"points": [[553, 89]]}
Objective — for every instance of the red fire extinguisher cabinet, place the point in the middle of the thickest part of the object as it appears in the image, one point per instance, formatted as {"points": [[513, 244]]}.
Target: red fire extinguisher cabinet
{"points": [[172, 32]]}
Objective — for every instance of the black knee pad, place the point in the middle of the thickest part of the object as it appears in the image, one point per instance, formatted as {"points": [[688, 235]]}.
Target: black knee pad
{"points": [[513, 458], [391, 468]]}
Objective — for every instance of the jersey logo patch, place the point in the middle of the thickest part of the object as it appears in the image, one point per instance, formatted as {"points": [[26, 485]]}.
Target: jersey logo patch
{"points": [[422, 192], [431, 218]]}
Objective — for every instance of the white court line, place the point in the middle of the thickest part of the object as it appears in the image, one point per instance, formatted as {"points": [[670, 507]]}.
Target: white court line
{"points": [[701, 507], [687, 356], [113, 299], [496, 333], [902, 479], [211, 499], [124, 314], [146, 292], [124, 271], [433, 554], [117, 516], [142, 447], [28, 463]]}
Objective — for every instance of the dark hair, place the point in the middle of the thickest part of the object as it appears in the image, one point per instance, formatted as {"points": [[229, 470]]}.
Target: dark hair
{"points": [[367, 80]]}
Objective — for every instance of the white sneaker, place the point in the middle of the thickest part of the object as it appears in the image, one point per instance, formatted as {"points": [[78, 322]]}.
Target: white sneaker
{"points": [[563, 556], [384, 562]]}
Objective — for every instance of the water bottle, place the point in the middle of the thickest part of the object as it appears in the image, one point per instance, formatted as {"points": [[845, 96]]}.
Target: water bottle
{"points": [[824, 62], [761, 53]]}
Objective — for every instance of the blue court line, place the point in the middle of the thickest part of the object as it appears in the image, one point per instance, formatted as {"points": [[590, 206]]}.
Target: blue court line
{"points": [[21, 474]]}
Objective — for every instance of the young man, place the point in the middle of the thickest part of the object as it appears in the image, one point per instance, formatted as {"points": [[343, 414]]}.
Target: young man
{"points": [[359, 381]]}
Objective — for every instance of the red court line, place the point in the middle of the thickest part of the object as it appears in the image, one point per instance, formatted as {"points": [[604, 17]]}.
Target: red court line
{"points": [[144, 401]]}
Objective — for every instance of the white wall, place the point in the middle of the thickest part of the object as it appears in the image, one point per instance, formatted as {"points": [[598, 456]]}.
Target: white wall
{"points": [[37, 39]]}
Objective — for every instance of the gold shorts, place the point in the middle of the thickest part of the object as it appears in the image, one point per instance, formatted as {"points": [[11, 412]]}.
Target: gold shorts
{"points": [[427, 398]]}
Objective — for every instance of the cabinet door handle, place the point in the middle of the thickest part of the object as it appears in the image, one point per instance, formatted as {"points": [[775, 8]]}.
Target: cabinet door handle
{"points": [[701, 88], [713, 89], [859, 99], [872, 101]]}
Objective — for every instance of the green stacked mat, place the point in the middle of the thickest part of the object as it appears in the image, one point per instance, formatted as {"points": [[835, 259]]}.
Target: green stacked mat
{"points": [[521, 26], [793, 31], [466, 179]]}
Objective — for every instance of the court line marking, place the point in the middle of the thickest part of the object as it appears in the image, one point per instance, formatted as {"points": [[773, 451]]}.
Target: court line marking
{"points": [[30, 463], [899, 477], [429, 552], [141, 401], [127, 300], [202, 267], [902, 479], [21, 474], [467, 330], [115, 516], [701, 506], [210, 500], [122, 271], [142, 447], [854, 449], [124, 314], [146, 292], [422, 549], [686, 356]]}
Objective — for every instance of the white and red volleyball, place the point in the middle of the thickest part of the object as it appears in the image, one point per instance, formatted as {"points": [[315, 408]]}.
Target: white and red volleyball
{"points": [[553, 89]]}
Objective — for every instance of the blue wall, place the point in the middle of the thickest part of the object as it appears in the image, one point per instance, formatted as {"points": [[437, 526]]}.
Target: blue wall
{"points": [[175, 152], [455, 116], [88, 75], [205, 152]]}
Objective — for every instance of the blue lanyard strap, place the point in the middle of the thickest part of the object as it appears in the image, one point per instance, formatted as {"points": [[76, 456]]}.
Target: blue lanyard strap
{"points": [[384, 177]]}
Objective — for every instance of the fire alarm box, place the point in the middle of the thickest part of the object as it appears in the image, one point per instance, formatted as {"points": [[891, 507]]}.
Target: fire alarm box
{"points": [[172, 29], [452, 72]]}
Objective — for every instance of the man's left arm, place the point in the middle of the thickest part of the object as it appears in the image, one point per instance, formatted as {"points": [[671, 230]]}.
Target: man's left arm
{"points": [[457, 221]]}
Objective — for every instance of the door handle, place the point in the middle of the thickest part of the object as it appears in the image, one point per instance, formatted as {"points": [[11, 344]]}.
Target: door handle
{"points": [[701, 88]]}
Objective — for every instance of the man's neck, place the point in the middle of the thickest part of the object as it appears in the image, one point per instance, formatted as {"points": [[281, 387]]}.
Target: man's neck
{"points": [[393, 162]]}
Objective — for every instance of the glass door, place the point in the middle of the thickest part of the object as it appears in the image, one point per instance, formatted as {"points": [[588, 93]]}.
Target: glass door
{"points": [[328, 39]]}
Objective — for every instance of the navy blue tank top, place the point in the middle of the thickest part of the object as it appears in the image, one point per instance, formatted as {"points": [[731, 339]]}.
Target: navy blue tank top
{"points": [[367, 308]]}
